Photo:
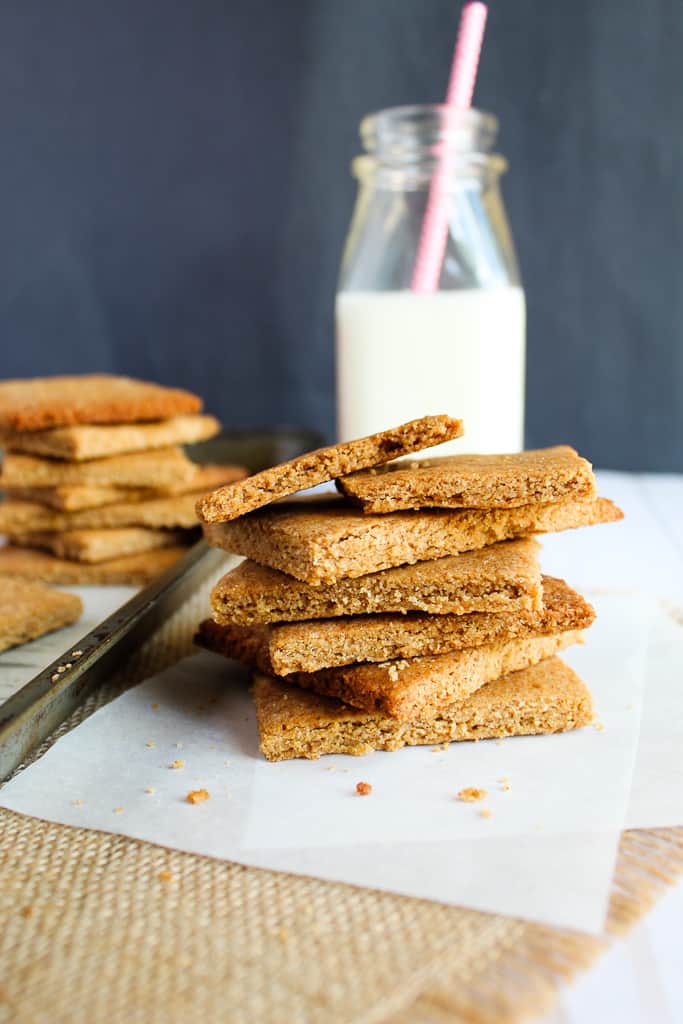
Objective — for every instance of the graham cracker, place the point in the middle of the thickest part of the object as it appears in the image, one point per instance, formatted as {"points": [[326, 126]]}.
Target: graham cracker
{"points": [[99, 545], [502, 577], [474, 481], [405, 689], [324, 464], [29, 610], [42, 402], [325, 541], [24, 516], [166, 466], [82, 442], [328, 643], [76, 497], [39, 565], [545, 698]]}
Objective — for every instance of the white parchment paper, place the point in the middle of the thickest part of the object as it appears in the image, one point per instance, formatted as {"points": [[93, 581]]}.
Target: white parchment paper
{"points": [[546, 852]]}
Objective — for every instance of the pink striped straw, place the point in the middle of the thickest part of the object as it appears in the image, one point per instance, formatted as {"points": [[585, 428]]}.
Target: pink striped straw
{"points": [[432, 247]]}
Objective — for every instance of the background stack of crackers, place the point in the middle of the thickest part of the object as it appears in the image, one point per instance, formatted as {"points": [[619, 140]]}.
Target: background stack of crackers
{"points": [[410, 610], [97, 488]]}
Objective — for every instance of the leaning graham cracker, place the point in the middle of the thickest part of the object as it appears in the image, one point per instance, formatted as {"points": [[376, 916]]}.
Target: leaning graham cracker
{"points": [[325, 541], [290, 647], [29, 610], [324, 464], [75, 497], [500, 578], [404, 689], [165, 467], [474, 481], [39, 565], [42, 402], [544, 698], [81, 442], [99, 545], [24, 516]]}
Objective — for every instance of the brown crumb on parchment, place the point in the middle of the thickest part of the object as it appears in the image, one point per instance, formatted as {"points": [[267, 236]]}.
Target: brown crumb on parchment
{"points": [[177, 763], [471, 794], [363, 788], [197, 796], [485, 812]]}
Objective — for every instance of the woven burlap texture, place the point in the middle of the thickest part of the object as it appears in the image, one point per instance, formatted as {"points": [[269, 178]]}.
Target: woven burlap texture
{"points": [[102, 928]]}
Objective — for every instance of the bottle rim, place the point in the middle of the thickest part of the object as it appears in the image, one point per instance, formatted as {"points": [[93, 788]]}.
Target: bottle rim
{"points": [[404, 134]]}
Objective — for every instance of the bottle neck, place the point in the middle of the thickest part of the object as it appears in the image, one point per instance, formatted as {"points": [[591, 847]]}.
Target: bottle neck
{"points": [[404, 145]]}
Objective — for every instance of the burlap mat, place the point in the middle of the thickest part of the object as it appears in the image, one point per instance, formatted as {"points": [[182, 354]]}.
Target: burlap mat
{"points": [[101, 928]]}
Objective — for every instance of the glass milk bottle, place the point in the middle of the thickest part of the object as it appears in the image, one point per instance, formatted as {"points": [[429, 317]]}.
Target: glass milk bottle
{"points": [[460, 349]]}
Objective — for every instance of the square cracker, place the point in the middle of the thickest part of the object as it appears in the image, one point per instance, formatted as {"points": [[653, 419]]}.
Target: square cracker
{"points": [[284, 648], [323, 465], [408, 688], [99, 545], [474, 481], [39, 565], [80, 442], [29, 610], [159, 513], [544, 698], [500, 578], [74, 497], [41, 402], [326, 541], [164, 466]]}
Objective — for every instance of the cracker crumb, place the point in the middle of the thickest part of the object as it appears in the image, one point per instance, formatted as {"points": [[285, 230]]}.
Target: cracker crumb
{"points": [[155, 707], [118, 810], [61, 668], [150, 743], [26, 911], [598, 726], [150, 789], [69, 664], [76, 654], [197, 796], [177, 763], [471, 794], [54, 678], [363, 788], [77, 803], [485, 813], [165, 876]]}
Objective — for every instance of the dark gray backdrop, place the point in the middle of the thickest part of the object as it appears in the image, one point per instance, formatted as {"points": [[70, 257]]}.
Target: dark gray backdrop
{"points": [[174, 194]]}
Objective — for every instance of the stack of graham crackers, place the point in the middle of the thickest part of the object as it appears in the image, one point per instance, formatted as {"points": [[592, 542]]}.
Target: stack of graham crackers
{"points": [[98, 489], [410, 610]]}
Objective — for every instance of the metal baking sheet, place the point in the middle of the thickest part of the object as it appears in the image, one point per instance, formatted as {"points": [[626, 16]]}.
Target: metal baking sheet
{"points": [[31, 714]]}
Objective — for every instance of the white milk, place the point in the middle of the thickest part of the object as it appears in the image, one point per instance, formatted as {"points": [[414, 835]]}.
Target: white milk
{"points": [[401, 356]]}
